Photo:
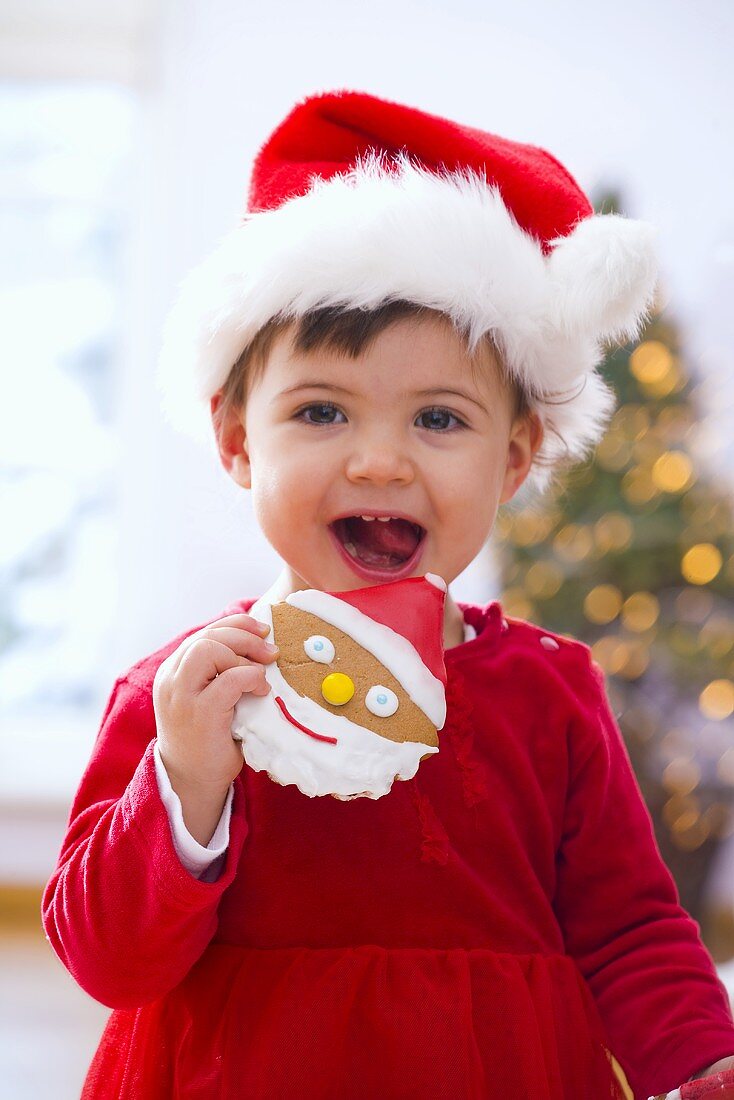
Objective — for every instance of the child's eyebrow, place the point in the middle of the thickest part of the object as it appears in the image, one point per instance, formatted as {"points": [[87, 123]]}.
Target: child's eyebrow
{"points": [[316, 386], [454, 393], [434, 392]]}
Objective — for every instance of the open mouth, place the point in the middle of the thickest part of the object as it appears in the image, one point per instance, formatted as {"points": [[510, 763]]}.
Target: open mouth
{"points": [[379, 543]]}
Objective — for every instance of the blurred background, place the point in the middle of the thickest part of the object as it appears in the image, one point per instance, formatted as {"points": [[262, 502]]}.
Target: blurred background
{"points": [[127, 130]]}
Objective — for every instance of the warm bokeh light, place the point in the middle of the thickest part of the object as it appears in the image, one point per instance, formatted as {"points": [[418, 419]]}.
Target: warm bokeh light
{"points": [[650, 362], [675, 423], [526, 528], [717, 699], [701, 563], [573, 542], [672, 472], [640, 611], [656, 369], [689, 828], [613, 453], [543, 580], [638, 486], [689, 833], [719, 819], [636, 659], [516, 604], [618, 657], [681, 776], [674, 381], [631, 421], [613, 532], [603, 603], [717, 634], [648, 449]]}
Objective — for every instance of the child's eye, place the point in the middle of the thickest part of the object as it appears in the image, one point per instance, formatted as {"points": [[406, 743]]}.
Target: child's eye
{"points": [[324, 413], [436, 419]]}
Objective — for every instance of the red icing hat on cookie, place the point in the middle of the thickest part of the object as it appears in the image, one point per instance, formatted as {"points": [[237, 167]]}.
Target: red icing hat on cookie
{"points": [[400, 623]]}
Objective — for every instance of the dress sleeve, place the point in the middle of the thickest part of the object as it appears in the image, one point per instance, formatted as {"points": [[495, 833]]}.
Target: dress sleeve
{"points": [[203, 862], [665, 1010], [120, 910]]}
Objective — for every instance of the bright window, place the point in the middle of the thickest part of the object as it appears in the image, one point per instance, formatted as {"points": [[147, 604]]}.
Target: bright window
{"points": [[65, 171]]}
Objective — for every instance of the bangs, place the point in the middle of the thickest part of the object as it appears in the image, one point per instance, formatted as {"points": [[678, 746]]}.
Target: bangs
{"points": [[348, 332]]}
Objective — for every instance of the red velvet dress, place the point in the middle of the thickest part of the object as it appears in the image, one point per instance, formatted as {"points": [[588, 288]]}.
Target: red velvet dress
{"points": [[490, 929]]}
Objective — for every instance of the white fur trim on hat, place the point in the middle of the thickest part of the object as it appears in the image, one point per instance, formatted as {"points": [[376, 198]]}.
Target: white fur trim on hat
{"points": [[446, 241], [393, 650]]}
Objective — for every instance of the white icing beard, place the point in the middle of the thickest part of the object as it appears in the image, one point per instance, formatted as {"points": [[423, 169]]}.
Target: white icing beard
{"points": [[361, 763]]}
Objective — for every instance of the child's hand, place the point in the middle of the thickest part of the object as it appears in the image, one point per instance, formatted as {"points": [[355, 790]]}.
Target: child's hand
{"points": [[194, 694]]}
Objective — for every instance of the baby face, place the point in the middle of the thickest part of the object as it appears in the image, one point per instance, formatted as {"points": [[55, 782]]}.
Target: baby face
{"points": [[406, 430]]}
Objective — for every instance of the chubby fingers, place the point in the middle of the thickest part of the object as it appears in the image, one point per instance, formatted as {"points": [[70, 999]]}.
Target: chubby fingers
{"points": [[243, 634], [245, 621], [243, 643], [208, 661]]}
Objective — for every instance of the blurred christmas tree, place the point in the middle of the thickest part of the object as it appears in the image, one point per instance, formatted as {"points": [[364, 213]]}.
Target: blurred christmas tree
{"points": [[632, 552]]}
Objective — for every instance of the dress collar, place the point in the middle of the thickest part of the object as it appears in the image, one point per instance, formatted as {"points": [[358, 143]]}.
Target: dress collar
{"points": [[486, 621]]}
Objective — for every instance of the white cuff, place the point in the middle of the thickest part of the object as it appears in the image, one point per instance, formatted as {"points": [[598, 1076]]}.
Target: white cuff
{"points": [[194, 856]]}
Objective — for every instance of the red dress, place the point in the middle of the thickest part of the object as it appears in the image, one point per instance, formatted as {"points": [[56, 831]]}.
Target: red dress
{"points": [[488, 929]]}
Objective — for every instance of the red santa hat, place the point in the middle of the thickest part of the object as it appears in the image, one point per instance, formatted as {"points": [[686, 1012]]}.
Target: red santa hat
{"points": [[401, 623], [356, 200]]}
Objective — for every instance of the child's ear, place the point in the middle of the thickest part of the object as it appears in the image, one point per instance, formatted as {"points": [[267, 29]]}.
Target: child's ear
{"points": [[526, 436], [229, 430]]}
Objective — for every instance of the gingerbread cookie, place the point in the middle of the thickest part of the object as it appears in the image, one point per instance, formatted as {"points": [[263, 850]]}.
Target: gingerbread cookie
{"points": [[358, 689]]}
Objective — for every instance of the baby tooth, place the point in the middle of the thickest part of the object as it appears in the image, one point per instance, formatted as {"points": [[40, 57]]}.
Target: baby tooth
{"points": [[368, 517], [385, 519]]}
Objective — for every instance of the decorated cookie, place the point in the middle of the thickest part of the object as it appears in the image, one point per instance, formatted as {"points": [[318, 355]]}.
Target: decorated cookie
{"points": [[358, 689]]}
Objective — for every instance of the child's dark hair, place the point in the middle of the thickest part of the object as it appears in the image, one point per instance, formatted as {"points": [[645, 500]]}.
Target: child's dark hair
{"points": [[349, 331]]}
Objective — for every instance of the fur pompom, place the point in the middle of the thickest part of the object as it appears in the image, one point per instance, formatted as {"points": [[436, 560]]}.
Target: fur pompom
{"points": [[604, 275]]}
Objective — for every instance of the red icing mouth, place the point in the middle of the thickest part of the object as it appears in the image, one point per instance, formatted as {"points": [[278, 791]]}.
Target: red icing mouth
{"points": [[297, 724]]}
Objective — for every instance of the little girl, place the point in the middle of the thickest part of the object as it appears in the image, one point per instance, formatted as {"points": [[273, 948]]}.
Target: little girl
{"points": [[404, 328]]}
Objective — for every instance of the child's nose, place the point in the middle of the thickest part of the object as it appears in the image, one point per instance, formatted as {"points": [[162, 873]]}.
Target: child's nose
{"points": [[380, 459]]}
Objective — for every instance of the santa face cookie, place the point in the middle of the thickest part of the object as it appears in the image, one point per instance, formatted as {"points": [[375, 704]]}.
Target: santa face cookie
{"points": [[358, 689]]}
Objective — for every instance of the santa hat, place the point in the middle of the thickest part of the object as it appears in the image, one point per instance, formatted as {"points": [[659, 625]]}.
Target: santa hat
{"points": [[355, 200], [401, 624]]}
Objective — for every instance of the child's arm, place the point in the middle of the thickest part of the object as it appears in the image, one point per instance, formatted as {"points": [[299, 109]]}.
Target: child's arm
{"points": [[203, 862], [665, 1010], [121, 911]]}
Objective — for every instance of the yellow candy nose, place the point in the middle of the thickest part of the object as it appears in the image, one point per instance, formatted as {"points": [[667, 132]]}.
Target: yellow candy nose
{"points": [[337, 688]]}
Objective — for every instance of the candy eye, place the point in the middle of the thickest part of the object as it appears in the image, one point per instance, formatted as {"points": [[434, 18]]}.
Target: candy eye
{"points": [[381, 701], [319, 649]]}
